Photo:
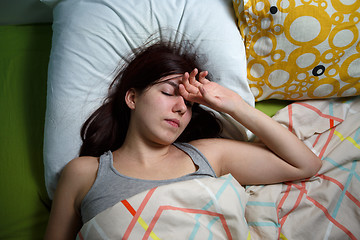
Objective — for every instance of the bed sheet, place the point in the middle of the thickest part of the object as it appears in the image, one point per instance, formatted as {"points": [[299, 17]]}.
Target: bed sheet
{"points": [[326, 206]]}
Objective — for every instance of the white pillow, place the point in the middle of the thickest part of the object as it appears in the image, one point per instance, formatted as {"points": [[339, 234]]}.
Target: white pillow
{"points": [[91, 36]]}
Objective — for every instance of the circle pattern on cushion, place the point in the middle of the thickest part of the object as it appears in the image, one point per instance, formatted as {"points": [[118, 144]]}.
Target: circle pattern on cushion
{"points": [[301, 49]]}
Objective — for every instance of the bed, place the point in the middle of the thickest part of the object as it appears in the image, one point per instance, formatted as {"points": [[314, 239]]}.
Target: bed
{"points": [[296, 61]]}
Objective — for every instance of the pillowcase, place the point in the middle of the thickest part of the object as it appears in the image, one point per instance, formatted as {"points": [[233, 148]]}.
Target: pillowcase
{"points": [[90, 37], [299, 49]]}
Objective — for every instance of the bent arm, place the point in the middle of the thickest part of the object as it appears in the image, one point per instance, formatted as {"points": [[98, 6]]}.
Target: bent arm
{"points": [[289, 159], [283, 158]]}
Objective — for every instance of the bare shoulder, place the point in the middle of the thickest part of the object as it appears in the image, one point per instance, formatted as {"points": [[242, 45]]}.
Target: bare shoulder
{"points": [[82, 166], [79, 175]]}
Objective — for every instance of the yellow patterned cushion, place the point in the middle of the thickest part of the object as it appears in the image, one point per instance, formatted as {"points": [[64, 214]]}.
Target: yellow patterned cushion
{"points": [[301, 49]]}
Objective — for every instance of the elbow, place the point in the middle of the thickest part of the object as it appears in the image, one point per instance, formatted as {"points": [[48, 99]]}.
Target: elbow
{"points": [[318, 164], [314, 167]]}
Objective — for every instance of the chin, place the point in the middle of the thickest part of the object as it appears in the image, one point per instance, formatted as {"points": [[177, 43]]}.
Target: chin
{"points": [[167, 140]]}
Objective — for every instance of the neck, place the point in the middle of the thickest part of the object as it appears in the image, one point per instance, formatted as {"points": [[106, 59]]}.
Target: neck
{"points": [[145, 152]]}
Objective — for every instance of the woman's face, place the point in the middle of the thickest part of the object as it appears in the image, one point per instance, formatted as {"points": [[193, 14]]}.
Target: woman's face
{"points": [[161, 114]]}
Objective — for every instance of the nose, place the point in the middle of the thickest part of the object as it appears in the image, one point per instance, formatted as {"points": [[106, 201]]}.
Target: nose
{"points": [[180, 105]]}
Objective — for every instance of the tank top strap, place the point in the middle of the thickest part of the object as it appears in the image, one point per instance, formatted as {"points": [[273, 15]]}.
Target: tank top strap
{"points": [[198, 158], [105, 163]]}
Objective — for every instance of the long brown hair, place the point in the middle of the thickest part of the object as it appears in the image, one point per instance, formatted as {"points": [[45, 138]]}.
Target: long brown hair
{"points": [[106, 128]]}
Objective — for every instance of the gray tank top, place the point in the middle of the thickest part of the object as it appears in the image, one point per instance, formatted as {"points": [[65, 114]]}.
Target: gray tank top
{"points": [[110, 186]]}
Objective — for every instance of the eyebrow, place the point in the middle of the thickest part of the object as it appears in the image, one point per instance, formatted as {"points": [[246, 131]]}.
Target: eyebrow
{"points": [[168, 81], [175, 85]]}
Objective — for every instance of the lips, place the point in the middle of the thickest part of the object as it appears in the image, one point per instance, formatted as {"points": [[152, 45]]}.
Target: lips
{"points": [[173, 122]]}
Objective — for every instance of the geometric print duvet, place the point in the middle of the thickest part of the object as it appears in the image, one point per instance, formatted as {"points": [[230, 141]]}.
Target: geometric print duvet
{"points": [[203, 208], [326, 206]]}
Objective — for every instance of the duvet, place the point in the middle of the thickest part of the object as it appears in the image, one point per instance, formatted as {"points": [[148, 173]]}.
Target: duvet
{"points": [[205, 208], [326, 206]]}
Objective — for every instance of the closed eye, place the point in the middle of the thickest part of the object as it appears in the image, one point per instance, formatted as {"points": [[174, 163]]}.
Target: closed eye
{"points": [[167, 94], [187, 103]]}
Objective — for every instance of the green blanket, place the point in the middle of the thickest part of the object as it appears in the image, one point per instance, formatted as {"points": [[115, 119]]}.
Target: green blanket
{"points": [[24, 56]]}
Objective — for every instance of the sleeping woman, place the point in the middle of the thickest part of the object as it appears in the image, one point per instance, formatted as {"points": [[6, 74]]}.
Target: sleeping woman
{"points": [[151, 131]]}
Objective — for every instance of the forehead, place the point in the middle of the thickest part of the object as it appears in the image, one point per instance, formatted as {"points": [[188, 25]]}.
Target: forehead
{"points": [[173, 80]]}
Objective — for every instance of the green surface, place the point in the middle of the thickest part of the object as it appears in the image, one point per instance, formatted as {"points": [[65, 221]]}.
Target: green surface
{"points": [[24, 56], [270, 107]]}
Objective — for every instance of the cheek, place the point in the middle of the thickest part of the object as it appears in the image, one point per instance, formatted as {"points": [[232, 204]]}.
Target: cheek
{"points": [[161, 104], [188, 116], [156, 103]]}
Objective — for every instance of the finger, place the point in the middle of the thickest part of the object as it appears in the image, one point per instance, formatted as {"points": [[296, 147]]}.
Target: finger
{"points": [[185, 77], [192, 77], [185, 80], [191, 97], [203, 74], [187, 84], [202, 77], [183, 92]]}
